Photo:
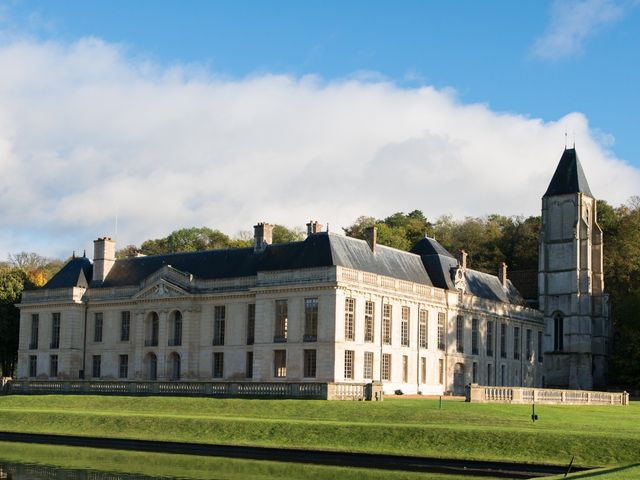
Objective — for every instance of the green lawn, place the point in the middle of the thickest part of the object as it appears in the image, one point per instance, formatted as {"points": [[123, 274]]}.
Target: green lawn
{"points": [[597, 436]]}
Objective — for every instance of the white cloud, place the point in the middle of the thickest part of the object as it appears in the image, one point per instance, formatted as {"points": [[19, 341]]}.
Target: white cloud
{"points": [[87, 133], [573, 22]]}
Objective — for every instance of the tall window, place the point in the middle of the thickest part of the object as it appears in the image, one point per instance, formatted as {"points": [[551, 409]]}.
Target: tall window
{"points": [[280, 363], [97, 326], [251, 323], [460, 334], [386, 366], [35, 325], [516, 343], [490, 338], [441, 371], [218, 364], [405, 368], [387, 312], [349, 318], [33, 365], [369, 311], [154, 330], [423, 370], [474, 372], [368, 365], [489, 374], [474, 336], [95, 370], [123, 370], [539, 346], [177, 329], [219, 319], [404, 327], [503, 375], [424, 328], [503, 340], [558, 332], [282, 320], [249, 365], [348, 364], [441, 320], [310, 319], [309, 363], [55, 330], [53, 365], [125, 326], [529, 344]]}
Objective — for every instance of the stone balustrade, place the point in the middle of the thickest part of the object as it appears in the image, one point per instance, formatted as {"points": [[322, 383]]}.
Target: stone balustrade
{"points": [[550, 396]]}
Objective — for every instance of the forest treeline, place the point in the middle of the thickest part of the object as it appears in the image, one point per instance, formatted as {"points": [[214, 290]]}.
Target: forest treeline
{"points": [[488, 241]]}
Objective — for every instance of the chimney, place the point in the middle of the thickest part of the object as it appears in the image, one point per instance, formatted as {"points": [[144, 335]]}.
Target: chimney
{"points": [[502, 273], [262, 236], [463, 259], [313, 227], [372, 238], [104, 256]]}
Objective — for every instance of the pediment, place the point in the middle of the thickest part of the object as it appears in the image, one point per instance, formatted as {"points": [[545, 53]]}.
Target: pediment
{"points": [[161, 289]]}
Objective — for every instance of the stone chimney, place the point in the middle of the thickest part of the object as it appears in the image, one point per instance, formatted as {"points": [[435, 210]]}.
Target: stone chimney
{"points": [[372, 238], [502, 274], [313, 227], [262, 236], [463, 260], [104, 256]]}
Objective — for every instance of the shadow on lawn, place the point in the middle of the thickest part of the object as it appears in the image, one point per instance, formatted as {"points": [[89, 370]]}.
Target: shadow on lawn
{"points": [[592, 474]]}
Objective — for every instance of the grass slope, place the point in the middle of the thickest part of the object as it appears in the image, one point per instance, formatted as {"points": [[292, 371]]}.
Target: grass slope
{"points": [[597, 436]]}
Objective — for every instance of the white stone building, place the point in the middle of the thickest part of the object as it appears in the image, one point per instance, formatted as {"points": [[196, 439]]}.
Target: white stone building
{"points": [[326, 309]]}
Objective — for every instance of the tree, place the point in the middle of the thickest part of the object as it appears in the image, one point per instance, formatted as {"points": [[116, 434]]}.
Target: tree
{"points": [[282, 234], [39, 269], [187, 240]]}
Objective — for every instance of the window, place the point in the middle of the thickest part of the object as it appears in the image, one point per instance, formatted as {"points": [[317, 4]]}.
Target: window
{"points": [[540, 346], [516, 343], [95, 371], [424, 328], [219, 314], [369, 310], [123, 370], [460, 334], [503, 341], [441, 319], [251, 323], [177, 330], [441, 372], [125, 326], [387, 312], [348, 364], [218, 364], [405, 368], [503, 375], [280, 363], [249, 366], [35, 325], [55, 330], [33, 365], [153, 330], [529, 345], [558, 332], [282, 320], [53, 365], [97, 326], [404, 326], [309, 363], [489, 374], [474, 372], [386, 366], [490, 338], [349, 317], [474, 336], [311, 319], [174, 359], [423, 370], [368, 365]]}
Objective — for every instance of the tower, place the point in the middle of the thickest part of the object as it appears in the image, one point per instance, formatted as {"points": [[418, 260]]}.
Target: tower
{"points": [[571, 282]]}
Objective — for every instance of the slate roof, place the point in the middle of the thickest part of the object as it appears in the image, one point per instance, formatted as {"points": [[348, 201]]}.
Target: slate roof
{"points": [[77, 272], [569, 176]]}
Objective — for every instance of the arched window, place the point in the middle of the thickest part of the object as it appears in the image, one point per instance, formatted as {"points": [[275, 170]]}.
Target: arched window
{"points": [[175, 337], [151, 366], [558, 332], [152, 329], [174, 367]]}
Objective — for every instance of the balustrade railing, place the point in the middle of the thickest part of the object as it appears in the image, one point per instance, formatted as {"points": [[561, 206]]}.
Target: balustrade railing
{"points": [[489, 394]]}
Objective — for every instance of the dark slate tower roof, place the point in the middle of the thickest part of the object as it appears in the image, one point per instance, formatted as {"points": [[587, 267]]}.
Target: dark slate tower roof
{"points": [[569, 176], [76, 273]]}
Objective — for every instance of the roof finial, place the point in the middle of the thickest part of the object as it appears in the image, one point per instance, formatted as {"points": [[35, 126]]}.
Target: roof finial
{"points": [[73, 255], [574, 139], [84, 253], [565, 140]]}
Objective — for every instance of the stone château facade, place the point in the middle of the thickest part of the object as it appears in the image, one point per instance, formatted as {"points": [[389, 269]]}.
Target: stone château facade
{"points": [[326, 309]]}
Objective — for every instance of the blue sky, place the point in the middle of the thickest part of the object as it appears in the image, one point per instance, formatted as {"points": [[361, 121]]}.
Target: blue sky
{"points": [[175, 114]]}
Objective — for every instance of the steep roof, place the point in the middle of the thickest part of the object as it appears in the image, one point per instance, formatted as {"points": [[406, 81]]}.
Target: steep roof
{"points": [[77, 272], [569, 176]]}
